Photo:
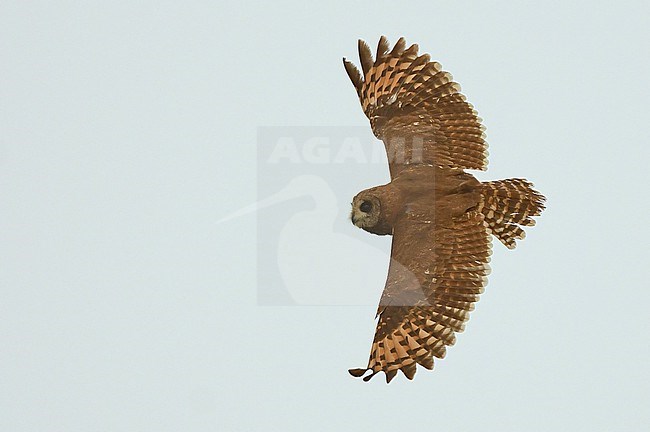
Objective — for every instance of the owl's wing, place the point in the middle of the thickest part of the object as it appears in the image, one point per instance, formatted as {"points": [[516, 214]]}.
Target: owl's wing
{"points": [[435, 276], [416, 109]]}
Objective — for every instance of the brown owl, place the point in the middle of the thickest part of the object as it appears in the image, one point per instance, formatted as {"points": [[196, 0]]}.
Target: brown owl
{"points": [[442, 219]]}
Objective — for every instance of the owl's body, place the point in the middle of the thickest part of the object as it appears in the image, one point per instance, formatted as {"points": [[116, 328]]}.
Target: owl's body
{"points": [[427, 193], [441, 218]]}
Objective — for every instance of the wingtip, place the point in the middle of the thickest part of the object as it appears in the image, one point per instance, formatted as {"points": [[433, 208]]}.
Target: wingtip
{"points": [[398, 48], [357, 373], [409, 371], [427, 362], [365, 55], [382, 49]]}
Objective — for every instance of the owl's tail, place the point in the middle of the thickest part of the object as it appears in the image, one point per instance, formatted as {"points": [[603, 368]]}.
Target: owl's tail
{"points": [[507, 205]]}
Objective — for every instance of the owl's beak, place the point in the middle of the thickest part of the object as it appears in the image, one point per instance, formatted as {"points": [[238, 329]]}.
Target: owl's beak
{"points": [[354, 220]]}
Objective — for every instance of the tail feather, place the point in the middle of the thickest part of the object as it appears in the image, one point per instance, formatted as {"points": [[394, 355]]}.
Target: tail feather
{"points": [[507, 205]]}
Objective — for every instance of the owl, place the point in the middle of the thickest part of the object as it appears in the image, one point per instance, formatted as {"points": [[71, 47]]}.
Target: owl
{"points": [[441, 218]]}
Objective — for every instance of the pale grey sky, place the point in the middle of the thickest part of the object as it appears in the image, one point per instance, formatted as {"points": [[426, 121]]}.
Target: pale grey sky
{"points": [[129, 130]]}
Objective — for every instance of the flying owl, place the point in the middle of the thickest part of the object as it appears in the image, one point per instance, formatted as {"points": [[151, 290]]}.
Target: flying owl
{"points": [[442, 219]]}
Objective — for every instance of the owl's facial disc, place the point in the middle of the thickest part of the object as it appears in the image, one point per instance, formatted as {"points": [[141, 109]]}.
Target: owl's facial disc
{"points": [[365, 211]]}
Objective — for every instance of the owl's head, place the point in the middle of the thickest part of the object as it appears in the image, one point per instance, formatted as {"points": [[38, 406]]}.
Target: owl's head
{"points": [[369, 211]]}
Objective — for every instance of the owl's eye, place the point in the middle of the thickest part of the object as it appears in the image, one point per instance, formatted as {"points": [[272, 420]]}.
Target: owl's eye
{"points": [[366, 207]]}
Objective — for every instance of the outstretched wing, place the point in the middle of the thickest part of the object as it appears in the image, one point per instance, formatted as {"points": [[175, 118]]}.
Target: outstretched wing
{"points": [[436, 274], [416, 109]]}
